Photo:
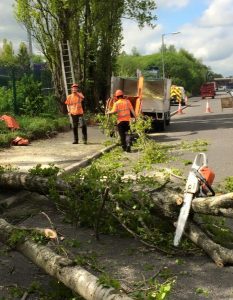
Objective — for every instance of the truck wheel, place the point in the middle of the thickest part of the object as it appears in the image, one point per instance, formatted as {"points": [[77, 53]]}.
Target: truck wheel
{"points": [[167, 122], [162, 125]]}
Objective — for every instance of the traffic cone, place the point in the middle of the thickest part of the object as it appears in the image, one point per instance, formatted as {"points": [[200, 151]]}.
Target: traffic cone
{"points": [[179, 111], [207, 110]]}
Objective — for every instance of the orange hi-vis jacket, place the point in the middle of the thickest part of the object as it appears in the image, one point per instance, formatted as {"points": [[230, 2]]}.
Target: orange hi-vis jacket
{"points": [[74, 103], [122, 107]]}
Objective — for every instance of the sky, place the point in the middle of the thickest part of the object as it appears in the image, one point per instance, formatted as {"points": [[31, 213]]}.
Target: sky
{"points": [[205, 26]]}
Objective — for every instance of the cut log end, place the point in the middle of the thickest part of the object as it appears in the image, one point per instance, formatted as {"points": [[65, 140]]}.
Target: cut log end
{"points": [[179, 200], [220, 264]]}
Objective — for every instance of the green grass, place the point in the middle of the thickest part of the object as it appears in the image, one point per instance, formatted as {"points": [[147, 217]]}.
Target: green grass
{"points": [[32, 128]]}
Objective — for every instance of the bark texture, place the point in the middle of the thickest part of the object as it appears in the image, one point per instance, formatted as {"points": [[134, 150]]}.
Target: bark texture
{"points": [[221, 205], [220, 255], [64, 269], [25, 181]]}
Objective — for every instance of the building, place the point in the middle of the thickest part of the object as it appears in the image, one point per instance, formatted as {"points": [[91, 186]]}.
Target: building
{"points": [[226, 83]]}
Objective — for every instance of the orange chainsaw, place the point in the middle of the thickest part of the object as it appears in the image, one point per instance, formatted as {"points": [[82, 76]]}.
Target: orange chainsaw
{"points": [[198, 184]]}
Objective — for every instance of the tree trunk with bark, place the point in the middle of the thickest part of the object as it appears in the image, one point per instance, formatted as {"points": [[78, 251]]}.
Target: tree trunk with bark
{"points": [[65, 270], [167, 203], [33, 183]]}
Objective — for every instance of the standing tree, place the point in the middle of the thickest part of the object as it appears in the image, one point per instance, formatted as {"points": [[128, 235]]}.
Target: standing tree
{"points": [[7, 57], [23, 58], [94, 29]]}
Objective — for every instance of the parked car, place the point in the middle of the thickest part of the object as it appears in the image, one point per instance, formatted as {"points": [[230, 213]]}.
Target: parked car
{"points": [[221, 88]]}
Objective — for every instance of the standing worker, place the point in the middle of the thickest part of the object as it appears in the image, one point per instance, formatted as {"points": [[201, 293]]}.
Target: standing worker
{"points": [[75, 109], [123, 108]]}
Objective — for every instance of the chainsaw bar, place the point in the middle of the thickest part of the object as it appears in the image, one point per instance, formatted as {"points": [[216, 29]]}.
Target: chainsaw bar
{"points": [[192, 188], [183, 216]]}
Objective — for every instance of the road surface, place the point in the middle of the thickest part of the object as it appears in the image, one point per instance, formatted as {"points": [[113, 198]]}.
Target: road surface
{"points": [[215, 127]]}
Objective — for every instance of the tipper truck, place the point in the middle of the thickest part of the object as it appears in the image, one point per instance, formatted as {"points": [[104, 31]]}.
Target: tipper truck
{"points": [[148, 97]]}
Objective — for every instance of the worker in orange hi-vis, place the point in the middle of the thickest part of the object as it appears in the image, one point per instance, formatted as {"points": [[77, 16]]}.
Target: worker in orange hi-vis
{"points": [[75, 109], [123, 108]]}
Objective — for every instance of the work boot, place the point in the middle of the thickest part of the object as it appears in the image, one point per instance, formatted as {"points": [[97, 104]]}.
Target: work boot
{"points": [[128, 149], [75, 132], [84, 133]]}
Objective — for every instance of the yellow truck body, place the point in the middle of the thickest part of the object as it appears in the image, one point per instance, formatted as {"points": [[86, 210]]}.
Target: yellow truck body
{"points": [[177, 95]]}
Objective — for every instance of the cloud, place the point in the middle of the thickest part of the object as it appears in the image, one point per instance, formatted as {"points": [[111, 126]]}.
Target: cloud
{"points": [[172, 3], [144, 40], [219, 13], [9, 28], [208, 37]]}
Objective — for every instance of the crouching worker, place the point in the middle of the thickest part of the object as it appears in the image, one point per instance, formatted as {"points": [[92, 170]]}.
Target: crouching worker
{"points": [[123, 108], [75, 109]]}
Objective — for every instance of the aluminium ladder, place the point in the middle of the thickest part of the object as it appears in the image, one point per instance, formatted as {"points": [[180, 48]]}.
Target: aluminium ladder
{"points": [[67, 68]]}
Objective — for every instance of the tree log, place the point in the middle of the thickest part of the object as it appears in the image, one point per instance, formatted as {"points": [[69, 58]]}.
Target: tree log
{"points": [[165, 205], [221, 205], [25, 181], [220, 255], [64, 269]]}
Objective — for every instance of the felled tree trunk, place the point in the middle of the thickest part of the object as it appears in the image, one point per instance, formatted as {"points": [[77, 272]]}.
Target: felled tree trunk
{"points": [[65, 270], [221, 205], [167, 203], [33, 183], [220, 255]]}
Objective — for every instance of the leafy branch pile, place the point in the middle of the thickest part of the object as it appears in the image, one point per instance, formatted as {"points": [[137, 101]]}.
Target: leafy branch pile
{"points": [[104, 198]]}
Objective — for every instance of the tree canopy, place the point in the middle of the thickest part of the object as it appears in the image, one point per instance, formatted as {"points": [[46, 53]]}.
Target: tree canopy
{"points": [[181, 66], [94, 30]]}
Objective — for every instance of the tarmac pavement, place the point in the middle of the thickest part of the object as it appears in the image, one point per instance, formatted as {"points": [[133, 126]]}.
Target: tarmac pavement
{"points": [[215, 127], [58, 150]]}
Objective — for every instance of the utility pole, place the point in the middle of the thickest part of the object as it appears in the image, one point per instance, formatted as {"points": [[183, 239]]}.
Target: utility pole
{"points": [[162, 50], [15, 106], [30, 47]]}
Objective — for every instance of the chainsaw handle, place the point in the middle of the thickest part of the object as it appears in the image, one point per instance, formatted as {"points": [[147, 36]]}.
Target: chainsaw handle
{"points": [[200, 161], [210, 188], [202, 179]]}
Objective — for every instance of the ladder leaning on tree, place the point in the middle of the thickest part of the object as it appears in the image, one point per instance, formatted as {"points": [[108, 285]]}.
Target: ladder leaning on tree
{"points": [[67, 67]]}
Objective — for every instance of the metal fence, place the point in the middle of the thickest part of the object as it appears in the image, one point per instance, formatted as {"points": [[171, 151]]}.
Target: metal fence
{"points": [[40, 72]]}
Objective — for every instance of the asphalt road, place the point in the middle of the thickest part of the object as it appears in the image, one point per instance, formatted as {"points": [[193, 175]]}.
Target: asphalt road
{"points": [[215, 127]]}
